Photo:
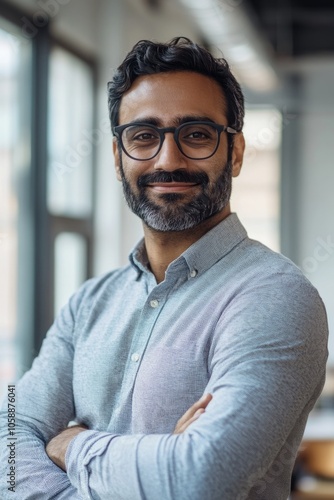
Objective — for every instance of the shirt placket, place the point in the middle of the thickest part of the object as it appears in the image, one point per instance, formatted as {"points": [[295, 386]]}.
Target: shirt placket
{"points": [[154, 304]]}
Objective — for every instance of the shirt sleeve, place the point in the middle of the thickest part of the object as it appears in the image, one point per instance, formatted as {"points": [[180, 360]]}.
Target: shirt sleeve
{"points": [[267, 366], [44, 406]]}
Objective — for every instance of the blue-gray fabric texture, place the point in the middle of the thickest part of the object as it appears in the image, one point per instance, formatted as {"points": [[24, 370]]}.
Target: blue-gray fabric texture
{"points": [[127, 357]]}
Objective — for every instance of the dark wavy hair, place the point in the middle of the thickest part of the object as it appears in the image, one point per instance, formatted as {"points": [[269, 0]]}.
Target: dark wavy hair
{"points": [[180, 54]]}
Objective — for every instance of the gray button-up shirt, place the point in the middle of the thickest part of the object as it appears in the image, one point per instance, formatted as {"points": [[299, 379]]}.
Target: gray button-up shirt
{"points": [[128, 356]]}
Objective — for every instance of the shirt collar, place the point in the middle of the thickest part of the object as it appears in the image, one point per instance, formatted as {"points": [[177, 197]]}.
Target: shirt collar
{"points": [[204, 253], [215, 244], [138, 258]]}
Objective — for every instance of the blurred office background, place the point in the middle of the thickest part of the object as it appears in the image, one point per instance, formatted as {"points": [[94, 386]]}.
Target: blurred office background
{"points": [[63, 217]]}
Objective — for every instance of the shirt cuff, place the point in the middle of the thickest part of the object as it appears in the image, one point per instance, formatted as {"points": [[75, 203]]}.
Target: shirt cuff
{"points": [[81, 450]]}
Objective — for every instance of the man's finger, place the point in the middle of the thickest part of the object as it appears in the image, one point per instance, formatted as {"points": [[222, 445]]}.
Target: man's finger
{"points": [[201, 403], [193, 413]]}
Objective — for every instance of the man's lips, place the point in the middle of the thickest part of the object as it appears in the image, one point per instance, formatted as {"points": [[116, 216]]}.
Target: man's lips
{"points": [[168, 187]]}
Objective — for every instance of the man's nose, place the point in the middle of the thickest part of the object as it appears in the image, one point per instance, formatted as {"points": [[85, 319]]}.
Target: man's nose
{"points": [[170, 157]]}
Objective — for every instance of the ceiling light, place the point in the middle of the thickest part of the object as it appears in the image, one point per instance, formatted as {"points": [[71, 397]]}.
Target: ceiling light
{"points": [[228, 29]]}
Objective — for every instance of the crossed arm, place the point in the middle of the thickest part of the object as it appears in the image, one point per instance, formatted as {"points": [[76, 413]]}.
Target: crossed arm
{"points": [[57, 447], [261, 395]]}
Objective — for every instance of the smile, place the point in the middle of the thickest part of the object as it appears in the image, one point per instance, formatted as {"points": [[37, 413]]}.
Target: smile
{"points": [[169, 187]]}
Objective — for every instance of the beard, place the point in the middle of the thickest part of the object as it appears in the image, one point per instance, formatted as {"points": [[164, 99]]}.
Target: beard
{"points": [[173, 214]]}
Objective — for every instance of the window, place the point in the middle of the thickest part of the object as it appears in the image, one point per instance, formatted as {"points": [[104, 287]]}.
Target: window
{"points": [[256, 193], [70, 177], [15, 203], [46, 185], [70, 266], [70, 141]]}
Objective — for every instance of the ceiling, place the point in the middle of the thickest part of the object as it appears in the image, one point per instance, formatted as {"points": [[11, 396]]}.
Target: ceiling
{"points": [[295, 28]]}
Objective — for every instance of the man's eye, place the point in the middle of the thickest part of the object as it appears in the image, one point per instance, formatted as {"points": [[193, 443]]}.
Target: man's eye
{"points": [[197, 135], [145, 136]]}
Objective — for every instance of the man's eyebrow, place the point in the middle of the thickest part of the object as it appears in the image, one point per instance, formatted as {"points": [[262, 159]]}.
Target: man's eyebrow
{"points": [[178, 120], [193, 118], [149, 120]]}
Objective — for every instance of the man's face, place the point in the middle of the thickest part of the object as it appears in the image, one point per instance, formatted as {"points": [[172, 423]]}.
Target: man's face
{"points": [[171, 192]]}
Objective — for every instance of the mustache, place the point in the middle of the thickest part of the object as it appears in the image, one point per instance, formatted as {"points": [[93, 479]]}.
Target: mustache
{"points": [[175, 176]]}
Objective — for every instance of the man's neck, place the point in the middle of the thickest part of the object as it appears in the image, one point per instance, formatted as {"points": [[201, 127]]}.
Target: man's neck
{"points": [[164, 247]]}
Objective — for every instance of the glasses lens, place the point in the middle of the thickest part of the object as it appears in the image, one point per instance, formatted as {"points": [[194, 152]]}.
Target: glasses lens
{"points": [[198, 140], [141, 141]]}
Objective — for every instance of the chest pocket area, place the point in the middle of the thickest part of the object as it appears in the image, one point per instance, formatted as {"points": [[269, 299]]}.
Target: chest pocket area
{"points": [[169, 381]]}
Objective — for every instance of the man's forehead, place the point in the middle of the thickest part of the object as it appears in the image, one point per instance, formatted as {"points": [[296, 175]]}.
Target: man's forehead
{"points": [[177, 93]]}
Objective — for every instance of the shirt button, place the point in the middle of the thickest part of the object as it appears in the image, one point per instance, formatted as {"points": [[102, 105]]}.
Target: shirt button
{"points": [[193, 273], [135, 357], [154, 303]]}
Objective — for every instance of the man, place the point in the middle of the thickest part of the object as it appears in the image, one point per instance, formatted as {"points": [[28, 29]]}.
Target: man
{"points": [[203, 323]]}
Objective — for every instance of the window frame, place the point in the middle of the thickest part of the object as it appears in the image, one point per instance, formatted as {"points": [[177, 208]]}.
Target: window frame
{"points": [[45, 227]]}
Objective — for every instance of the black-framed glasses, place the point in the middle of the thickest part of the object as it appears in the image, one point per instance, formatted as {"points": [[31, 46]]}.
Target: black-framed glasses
{"points": [[197, 140]]}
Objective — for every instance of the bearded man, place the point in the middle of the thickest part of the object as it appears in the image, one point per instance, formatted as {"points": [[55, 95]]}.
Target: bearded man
{"points": [[191, 371]]}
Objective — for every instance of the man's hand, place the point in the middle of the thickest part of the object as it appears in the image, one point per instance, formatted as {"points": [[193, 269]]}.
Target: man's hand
{"points": [[192, 414], [57, 447]]}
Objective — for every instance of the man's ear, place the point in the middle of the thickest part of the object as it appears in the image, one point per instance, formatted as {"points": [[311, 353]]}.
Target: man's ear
{"points": [[238, 153], [117, 159]]}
